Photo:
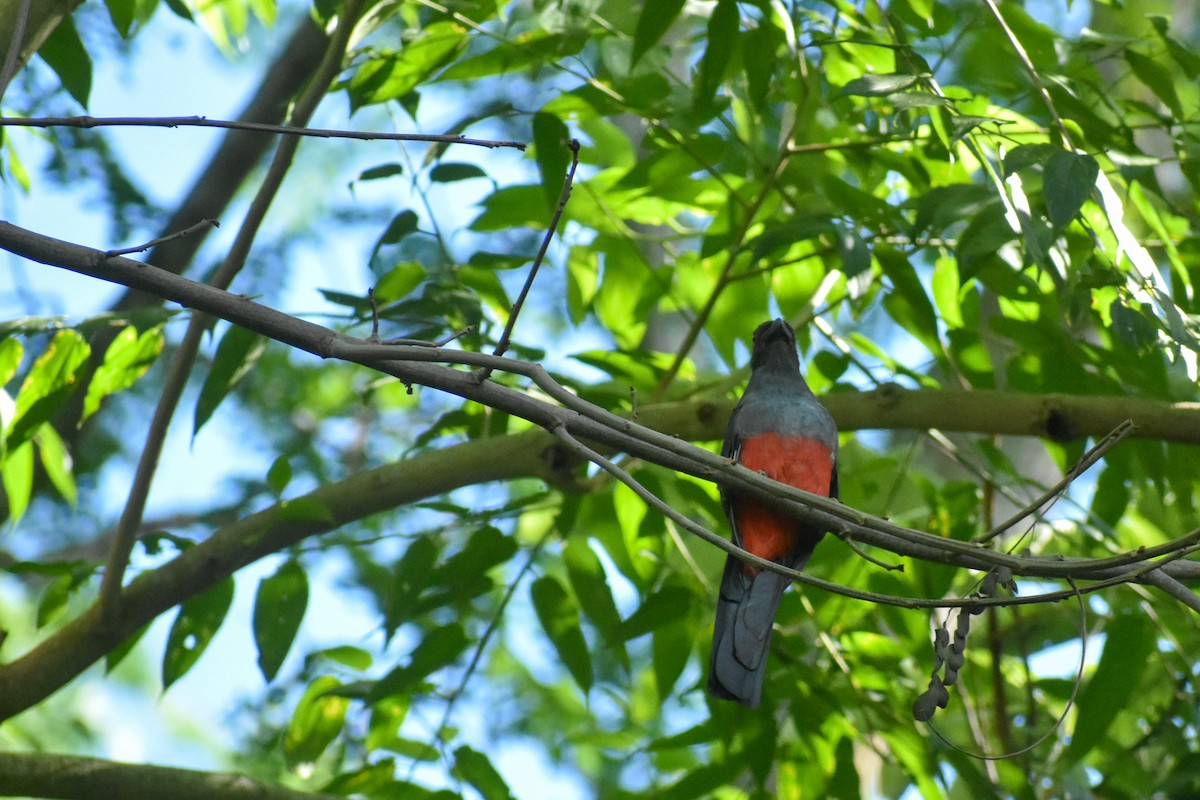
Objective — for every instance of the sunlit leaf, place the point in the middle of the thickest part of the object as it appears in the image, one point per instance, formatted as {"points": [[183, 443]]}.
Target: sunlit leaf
{"points": [[17, 477], [315, 723], [56, 462], [392, 75], [53, 378], [125, 361], [880, 85]]}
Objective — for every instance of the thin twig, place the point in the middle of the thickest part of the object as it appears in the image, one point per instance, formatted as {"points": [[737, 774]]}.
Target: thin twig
{"points": [[445, 340], [202, 225], [1122, 431], [563, 197], [261, 127]]}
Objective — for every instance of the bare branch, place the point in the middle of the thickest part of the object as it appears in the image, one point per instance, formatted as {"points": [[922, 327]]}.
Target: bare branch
{"points": [[260, 127]]}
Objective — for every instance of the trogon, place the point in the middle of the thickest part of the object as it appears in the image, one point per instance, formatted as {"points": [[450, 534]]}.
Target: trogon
{"points": [[781, 429]]}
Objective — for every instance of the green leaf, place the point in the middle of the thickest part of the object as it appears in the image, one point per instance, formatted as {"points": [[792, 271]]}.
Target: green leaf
{"points": [[907, 302], [236, 355], [1129, 645], [439, 648], [1157, 78], [560, 620], [789, 231], [125, 360], [946, 287], [759, 46], [942, 206], [550, 149], [64, 51], [590, 584], [128, 14], [118, 653], [399, 282], [722, 35], [315, 723], [475, 768], [1183, 55], [449, 173], [392, 75], [486, 548], [854, 252], [1070, 178], [279, 475], [279, 608], [413, 573], [672, 647], [11, 353], [17, 476], [56, 462], [305, 509], [1028, 155], [653, 22], [49, 383], [58, 593], [356, 658], [667, 605], [511, 207], [381, 171], [403, 224], [198, 620]]}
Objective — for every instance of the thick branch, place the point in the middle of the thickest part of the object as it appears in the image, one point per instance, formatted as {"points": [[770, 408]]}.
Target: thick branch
{"points": [[87, 638], [79, 778]]}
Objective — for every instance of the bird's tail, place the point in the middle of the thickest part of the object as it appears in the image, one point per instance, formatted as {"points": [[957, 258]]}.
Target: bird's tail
{"points": [[742, 636]]}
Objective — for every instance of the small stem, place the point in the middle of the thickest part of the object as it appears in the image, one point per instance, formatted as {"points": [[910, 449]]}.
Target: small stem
{"points": [[563, 197]]}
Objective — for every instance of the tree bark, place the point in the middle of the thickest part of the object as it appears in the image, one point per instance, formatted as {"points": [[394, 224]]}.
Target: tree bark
{"points": [[80, 778]]}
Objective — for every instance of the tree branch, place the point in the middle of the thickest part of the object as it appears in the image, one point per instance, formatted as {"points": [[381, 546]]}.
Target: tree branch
{"points": [[81, 778], [84, 640]]}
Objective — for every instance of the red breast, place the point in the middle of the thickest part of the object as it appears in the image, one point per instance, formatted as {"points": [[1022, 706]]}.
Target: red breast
{"points": [[795, 460]]}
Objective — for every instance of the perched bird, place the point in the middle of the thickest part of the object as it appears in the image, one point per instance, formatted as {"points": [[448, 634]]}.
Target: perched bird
{"points": [[781, 429]]}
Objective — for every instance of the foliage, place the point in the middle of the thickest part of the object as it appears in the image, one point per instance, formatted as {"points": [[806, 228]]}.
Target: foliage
{"points": [[946, 195]]}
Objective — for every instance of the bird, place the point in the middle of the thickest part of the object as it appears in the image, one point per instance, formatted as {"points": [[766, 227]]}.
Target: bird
{"points": [[778, 428]]}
